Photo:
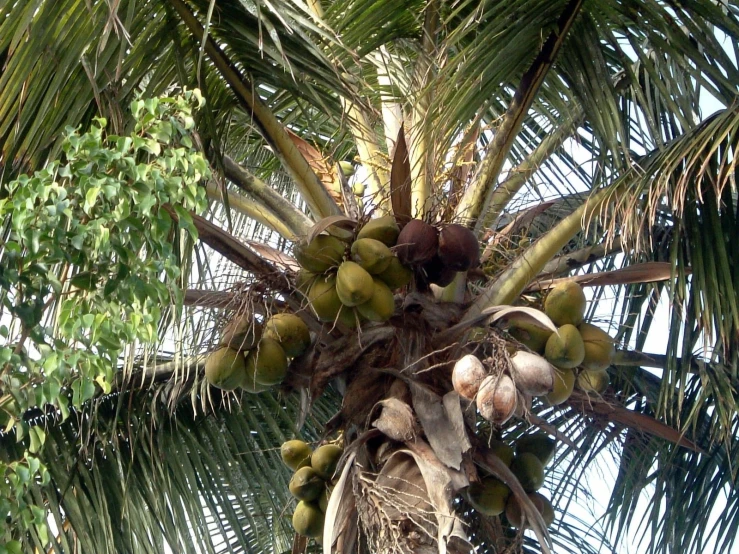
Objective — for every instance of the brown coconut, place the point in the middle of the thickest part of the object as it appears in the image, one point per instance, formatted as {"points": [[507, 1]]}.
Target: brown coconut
{"points": [[467, 376], [458, 248], [496, 399], [435, 272], [417, 242], [532, 373]]}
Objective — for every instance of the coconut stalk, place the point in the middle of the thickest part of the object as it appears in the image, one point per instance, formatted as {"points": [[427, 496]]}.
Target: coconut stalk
{"points": [[311, 189], [477, 194]]}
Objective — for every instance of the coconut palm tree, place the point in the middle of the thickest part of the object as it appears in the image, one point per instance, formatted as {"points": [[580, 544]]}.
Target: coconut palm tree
{"points": [[572, 137]]}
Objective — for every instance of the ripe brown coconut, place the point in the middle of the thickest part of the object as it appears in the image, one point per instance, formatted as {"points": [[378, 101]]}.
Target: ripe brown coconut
{"points": [[436, 273], [467, 376], [417, 243], [496, 399], [458, 248]]}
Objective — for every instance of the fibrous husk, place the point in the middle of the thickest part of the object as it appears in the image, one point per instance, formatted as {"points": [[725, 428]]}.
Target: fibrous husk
{"points": [[458, 249], [467, 375], [384, 229], [324, 299], [325, 459], [565, 304], [533, 374], [295, 453], [225, 369], [381, 306], [396, 275], [353, 284], [417, 242], [565, 350], [321, 254], [496, 399], [600, 348], [306, 484], [489, 496], [308, 519], [267, 363], [564, 384], [373, 255], [290, 331], [529, 470]]}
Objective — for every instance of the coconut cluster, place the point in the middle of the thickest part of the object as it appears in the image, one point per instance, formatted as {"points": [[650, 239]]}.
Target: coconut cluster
{"points": [[437, 254], [527, 459], [580, 352], [253, 356], [311, 483], [350, 278]]}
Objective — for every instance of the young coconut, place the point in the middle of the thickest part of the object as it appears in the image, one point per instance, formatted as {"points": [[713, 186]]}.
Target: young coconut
{"points": [[324, 299], [593, 382], [242, 332], [290, 331], [565, 350], [325, 459], [467, 376], [396, 275], [296, 454], [564, 384], [530, 335], [417, 242], [353, 284], [538, 444], [323, 252], [373, 255], [384, 229], [532, 373], [381, 306], [565, 304], [267, 363], [306, 484], [308, 519], [225, 369], [529, 470], [488, 496], [458, 247], [496, 399], [600, 348]]}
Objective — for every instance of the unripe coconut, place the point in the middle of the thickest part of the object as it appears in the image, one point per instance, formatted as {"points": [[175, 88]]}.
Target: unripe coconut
{"points": [[304, 281], [325, 459], [467, 376], [267, 363], [496, 399], [530, 335], [488, 496], [358, 189], [417, 242], [532, 373], [347, 168], [529, 470], [459, 249], [381, 306], [242, 333], [225, 369], [353, 284], [565, 303], [513, 512], [593, 382], [323, 252], [384, 229], [567, 349], [600, 348], [252, 387], [290, 331], [502, 451], [544, 507], [372, 255], [396, 275], [538, 444], [308, 519], [306, 484], [324, 299], [349, 317], [436, 273], [564, 384], [295, 454]]}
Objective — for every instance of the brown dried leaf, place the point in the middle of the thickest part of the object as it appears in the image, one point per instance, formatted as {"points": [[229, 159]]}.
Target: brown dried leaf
{"points": [[280, 259], [648, 272], [442, 423], [396, 420], [320, 164], [340, 521]]}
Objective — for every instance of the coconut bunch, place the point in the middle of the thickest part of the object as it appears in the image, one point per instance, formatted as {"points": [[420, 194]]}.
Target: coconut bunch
{"points": [[350, 278], [311, 483], [492, 497], [580, 352], [253, 356], [499, 395], [437, 254]]}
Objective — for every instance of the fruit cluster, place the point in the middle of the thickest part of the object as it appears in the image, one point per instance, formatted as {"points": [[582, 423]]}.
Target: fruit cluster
{"points": [[492, 497], [351, 279], [255, 356], [311, 482], [580, 353]]}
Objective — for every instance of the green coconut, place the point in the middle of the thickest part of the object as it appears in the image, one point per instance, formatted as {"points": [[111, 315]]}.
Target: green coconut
{"points": [[600, 348], [308, 519], [373, 255], [529, 470], [324, 299], [321, 254], [290, 331], [225, 369], [381, 306], [565, 304], [564, 384], [396, 275], [538, 444], [353, 284], [384, 229], [567, 349], [306, 484], [325, 459], [530, 335], [488, 496], [296, 454], [267, 363]]}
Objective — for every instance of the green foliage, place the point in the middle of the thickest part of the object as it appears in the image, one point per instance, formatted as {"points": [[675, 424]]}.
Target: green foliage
{"points": [[90, 237]]}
